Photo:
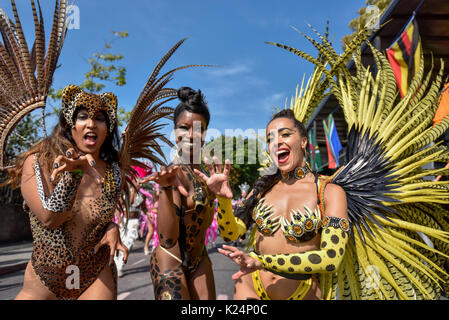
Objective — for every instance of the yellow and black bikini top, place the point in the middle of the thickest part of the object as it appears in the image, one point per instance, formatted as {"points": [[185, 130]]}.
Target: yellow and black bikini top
{"points": [[303, 226]]}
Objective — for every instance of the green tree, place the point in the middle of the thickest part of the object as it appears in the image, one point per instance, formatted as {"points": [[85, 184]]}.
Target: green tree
{"points": [[364, 17], [104, 68], [245, 158], [24, 135]]}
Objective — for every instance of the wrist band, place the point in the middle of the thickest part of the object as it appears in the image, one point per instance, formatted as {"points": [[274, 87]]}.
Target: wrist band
{"points": [[64, 193]]}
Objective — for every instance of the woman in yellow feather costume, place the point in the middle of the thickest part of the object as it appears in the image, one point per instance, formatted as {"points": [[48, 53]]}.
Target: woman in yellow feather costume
{"points": [[398, 245]]}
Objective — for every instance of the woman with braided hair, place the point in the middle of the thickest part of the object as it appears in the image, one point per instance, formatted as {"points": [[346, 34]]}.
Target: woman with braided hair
{"points": [[298, 218], [376, 229]]}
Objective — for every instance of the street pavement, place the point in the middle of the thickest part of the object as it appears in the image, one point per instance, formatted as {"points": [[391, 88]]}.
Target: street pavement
{"points": [[135, 283]]}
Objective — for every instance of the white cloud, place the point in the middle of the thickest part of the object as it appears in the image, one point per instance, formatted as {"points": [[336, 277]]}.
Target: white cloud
{"points": [[233, 70], [276, 100]]}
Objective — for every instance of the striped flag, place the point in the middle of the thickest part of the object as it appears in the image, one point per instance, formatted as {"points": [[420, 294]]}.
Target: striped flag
{"points": [[332, 142], [315, 157], [404, 55]]}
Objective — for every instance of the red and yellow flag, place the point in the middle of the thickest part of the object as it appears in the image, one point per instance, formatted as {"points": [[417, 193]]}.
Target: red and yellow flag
{"points": [[405, 55]]}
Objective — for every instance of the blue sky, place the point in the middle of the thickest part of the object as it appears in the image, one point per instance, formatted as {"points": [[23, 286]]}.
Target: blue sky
{"points": [[252, 76]]}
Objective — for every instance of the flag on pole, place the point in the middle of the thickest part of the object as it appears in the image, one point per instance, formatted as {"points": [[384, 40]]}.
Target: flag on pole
{"points": [[315, 157], [332, 142], [404, 55]]}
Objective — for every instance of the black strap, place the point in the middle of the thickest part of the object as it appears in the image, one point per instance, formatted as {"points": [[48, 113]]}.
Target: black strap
{"points": [[293, 276], [317, 189]]}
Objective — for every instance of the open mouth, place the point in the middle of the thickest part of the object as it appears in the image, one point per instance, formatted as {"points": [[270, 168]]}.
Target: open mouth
{"points": [[283, 155], [189, 145], [90, 139]]}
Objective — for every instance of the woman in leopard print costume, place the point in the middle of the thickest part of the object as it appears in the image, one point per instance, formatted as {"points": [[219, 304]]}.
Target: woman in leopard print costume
{"points": [[72, 180], [180, 267], [71, 183]]}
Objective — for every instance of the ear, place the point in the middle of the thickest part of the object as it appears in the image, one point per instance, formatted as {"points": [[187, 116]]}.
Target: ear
{"points": [[69, 95], [304, 142], [111, 102]]}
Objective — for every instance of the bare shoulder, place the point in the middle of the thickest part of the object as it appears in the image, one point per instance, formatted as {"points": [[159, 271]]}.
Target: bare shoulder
{"points": [[334, 190], [29, 161], [28, 179], [28, 165], [335, 201]]}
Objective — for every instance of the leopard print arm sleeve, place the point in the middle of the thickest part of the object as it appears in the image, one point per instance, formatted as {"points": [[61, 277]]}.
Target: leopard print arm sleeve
{"points": [[64, 193], [325, 260], [231, 228]]}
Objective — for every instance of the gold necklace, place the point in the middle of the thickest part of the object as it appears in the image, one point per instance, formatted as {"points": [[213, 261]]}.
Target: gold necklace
{"points": [[298, 173]]}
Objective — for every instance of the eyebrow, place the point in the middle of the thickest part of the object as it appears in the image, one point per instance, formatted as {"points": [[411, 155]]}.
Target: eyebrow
{"points": [[203, 127], [282, 129]]}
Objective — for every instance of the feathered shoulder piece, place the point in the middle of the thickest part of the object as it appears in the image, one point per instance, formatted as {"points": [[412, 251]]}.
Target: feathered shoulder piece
{"points": [[26, 75], [399, 228], [141, 135]]}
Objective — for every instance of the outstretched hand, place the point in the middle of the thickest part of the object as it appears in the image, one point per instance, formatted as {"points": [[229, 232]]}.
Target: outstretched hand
{"points": [[246, 263], [218, 182], [111, 238], [73, 161], [168, 177]]}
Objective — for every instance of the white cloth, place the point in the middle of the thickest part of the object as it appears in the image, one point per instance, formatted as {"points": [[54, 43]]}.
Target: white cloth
{"points": [[128, 235]]}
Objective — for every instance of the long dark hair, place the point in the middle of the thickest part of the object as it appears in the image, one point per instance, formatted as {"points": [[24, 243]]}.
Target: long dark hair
{"points": [[266, 182]]}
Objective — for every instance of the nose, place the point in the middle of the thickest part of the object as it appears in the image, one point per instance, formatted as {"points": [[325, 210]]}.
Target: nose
{"points": [[195, 133], [191, 133], [275, 138], [91, 123]]}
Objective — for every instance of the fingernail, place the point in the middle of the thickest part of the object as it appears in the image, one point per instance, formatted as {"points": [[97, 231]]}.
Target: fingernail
{"points": [[56, 165], [51, 179], [92, 163], [69, 153]]}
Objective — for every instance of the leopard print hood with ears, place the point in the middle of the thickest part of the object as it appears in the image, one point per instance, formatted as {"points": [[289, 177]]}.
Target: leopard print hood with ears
{"points": [[73, 97]]}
